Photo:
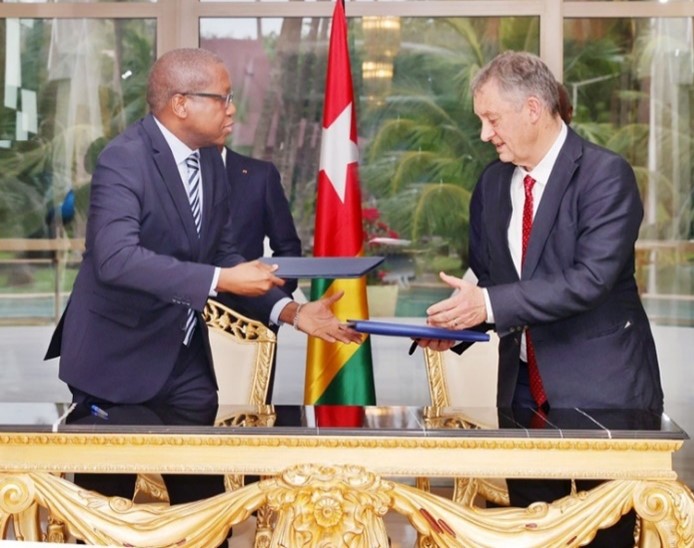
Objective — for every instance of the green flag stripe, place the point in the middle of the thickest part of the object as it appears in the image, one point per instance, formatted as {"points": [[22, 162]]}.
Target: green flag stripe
{"points": [[319, 287], [353, 384]]}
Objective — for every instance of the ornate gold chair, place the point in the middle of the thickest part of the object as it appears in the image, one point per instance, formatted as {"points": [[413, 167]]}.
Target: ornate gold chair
{"points": [[467, 381], [242, 355]]}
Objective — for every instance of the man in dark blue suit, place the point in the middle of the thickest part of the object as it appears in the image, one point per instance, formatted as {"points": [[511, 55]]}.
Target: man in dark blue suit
{"points": [[553, 225], [132, 332], [259, 209]]}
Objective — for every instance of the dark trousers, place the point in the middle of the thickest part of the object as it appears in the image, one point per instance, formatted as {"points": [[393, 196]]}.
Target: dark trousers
{"points": [[524, 492], [189, 397]]}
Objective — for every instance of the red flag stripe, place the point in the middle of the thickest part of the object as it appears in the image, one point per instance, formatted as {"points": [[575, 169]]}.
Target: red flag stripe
{"points": [[335, 372], [339, 231]]}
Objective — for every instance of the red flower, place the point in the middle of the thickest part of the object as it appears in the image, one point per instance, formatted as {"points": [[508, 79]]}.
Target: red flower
{"points": [[373, 228], [370, 214]]}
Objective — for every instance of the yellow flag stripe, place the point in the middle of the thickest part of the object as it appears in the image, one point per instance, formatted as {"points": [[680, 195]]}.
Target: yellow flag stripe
{"points": [[333, 356]]}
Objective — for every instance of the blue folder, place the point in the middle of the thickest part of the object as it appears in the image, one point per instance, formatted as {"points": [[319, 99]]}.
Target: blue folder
{"points": [[323, 267], [416, 331]]}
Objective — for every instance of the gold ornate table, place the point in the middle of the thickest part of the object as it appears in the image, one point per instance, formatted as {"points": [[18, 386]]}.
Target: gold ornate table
{"points": [[331, 486]]}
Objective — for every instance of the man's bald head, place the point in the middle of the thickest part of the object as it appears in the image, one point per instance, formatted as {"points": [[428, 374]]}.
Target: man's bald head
{"points": [[179, 71]]}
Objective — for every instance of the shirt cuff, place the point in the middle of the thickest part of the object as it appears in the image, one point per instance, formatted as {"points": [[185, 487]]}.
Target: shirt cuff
{"points": [[488, 306], [215, 280], [277, 309]]}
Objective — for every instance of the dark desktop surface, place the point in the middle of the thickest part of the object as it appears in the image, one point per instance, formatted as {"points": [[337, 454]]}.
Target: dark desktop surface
{"points": [[329, 420]]}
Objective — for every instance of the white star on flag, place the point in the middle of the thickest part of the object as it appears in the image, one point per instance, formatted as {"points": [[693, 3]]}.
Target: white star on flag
{"points": [[338, 151]]}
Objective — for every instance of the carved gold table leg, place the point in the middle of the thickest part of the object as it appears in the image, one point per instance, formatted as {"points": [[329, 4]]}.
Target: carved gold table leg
{"points": [[18, 505], [27, 524], [264, 526], [666, 509], [423, 484], [55, 530], [343, 506], [328, 506], [117, 521]]}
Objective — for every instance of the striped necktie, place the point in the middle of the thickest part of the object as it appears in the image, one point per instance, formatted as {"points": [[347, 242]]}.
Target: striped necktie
{"points": [[193, 187], [193, 192]]}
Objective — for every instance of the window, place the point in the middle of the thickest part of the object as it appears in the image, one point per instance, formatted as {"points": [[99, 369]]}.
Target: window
{"points": [[68, 86], [71, 84]]}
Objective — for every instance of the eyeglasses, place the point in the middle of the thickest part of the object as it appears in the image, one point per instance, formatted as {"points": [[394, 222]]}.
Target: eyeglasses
{"points": [[225, 99]]}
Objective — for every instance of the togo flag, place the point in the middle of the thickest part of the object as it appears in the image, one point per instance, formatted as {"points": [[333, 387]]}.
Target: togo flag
{"points": [[338, 373]]}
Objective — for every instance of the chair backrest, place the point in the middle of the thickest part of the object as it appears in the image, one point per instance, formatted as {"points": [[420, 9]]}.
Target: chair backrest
{"points": [[465, 380], [242, 353]]}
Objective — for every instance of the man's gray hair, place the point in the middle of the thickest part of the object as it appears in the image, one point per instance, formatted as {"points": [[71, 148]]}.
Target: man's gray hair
{"points": [[178, 71], [519, 75]]}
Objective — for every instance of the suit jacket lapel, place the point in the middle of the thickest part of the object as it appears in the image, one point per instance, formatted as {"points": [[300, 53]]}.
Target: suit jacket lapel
{"points": [[559, 180], [171, 178]]}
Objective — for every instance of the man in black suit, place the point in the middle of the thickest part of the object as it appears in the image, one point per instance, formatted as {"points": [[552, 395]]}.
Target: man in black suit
{"points": [[132, 332], [259, 209], [553, 225]]}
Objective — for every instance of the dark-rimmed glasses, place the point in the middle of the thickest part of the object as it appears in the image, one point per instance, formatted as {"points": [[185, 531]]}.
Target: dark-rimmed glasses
{"points": [[225, 99]]}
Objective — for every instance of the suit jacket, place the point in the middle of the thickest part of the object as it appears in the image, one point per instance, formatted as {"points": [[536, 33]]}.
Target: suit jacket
{"points": [[144, 266], [576, 292], [259, 208]]}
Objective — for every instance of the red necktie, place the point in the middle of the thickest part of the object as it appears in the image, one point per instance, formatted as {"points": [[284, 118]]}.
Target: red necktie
{"points": [[536, 388]]}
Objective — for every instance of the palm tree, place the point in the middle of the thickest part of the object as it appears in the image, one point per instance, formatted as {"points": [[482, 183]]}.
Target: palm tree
{"points": [[425, 157]]}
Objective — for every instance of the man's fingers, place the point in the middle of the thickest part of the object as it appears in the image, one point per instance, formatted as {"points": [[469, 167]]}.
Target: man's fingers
{"points": [[276, 281], [349, 335], [453, 281], [436, 344], [264, 266], [441, 307], [330, 299], [267, 271], [443, 318], [339, 333]]}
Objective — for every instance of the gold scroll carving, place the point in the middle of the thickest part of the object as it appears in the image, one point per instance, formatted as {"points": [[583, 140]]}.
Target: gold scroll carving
{"points": [[336, 506]]}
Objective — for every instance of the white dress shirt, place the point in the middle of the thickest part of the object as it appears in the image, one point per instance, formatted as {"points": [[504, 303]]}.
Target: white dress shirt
{"points": [[541, 174], [180, 153]]}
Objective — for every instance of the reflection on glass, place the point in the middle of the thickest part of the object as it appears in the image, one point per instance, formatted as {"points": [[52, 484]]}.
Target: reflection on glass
{"points": [[69, 85], [210, 1], [418, 137], [64, 1], [631, 83], [659, 1]]}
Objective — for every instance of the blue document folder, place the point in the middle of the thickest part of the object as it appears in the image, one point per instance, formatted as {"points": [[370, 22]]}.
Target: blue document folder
{"points": [[323, 267], [416, 331]]}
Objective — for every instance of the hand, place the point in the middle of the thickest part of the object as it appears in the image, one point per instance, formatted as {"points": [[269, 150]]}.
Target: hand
{"points": [[249, 279], [436, 344], [316, 319], [465, 308]]}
